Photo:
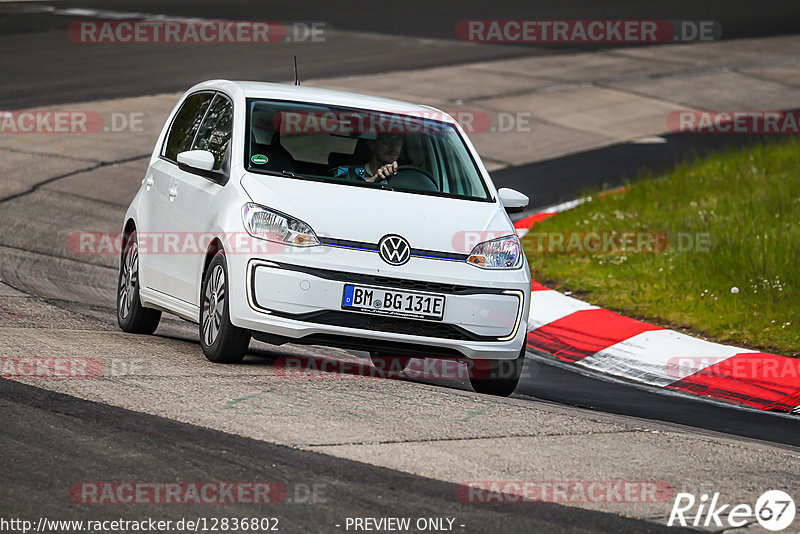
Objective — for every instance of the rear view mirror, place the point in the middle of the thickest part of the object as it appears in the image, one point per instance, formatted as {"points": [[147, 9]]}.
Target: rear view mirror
{"points": [[513, 201], [197, 159]]}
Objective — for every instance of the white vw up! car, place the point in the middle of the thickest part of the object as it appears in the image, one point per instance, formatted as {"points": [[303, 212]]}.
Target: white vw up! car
{"points": [[302, 215]]}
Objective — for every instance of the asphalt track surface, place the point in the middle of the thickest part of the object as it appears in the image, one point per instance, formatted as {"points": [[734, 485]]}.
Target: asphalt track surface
{"points": [[367, 37], [50, 439], [95, 439]]}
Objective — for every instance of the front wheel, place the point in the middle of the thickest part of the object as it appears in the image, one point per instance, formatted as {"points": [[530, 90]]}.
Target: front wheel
{"points": [[497, 377], [132, 317], [222, 342]]}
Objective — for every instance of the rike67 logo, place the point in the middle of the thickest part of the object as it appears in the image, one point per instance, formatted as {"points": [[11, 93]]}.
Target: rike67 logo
{"points": [[774, 510]]}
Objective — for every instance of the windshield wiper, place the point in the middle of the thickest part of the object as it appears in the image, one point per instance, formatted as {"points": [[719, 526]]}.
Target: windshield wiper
{"points": [[290, 174]]}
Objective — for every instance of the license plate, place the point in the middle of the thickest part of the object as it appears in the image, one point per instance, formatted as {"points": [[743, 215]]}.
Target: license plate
{"points": [[380, 301]]}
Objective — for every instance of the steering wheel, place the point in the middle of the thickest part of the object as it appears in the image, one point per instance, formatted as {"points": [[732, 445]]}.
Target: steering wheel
{"points": [[407, 177]]}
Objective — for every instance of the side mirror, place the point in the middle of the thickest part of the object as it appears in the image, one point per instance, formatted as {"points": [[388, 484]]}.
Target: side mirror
{"points": [[513, 201], [202, 160]]}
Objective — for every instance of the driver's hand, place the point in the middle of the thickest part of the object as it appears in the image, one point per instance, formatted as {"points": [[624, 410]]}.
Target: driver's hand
{"points": [[390, 169]]}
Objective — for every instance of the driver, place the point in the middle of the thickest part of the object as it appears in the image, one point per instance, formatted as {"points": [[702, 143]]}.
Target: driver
{"points": [[385, 150]]}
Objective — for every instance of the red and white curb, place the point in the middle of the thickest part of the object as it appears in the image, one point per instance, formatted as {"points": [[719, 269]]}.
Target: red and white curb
{"points": [[523, 225], [578, 333]]}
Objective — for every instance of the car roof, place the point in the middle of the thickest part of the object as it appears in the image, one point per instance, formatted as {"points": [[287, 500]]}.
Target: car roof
{"points": [[302, 93]]}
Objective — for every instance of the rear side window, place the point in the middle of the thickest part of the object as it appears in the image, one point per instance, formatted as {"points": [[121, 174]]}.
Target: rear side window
{"points": [[215, 133], [185, 125]]}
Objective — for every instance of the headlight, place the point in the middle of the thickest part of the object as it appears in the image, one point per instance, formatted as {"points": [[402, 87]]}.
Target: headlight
{"points": [[502, 253], [271, 225]]}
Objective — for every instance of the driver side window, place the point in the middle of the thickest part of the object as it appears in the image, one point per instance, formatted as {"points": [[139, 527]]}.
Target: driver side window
{"points": [[185, 125], [214, 134]]}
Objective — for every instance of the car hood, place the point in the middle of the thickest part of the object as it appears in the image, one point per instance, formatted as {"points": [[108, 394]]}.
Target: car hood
{"points": [[365, 214]]}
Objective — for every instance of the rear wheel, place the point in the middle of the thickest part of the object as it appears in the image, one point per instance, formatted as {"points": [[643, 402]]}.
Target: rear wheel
{"points": [[497, 377], [131, 315], [389, 364], [222, 342]]}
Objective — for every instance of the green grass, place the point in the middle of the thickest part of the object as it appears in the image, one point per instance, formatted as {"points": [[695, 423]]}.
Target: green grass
{"points": [[747, 203]]}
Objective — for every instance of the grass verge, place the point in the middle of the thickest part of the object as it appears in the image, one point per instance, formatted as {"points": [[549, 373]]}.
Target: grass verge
{"points": [[724, 248]]}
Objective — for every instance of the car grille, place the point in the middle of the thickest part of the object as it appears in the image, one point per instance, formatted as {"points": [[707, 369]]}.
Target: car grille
{"points": [[398, 283]]}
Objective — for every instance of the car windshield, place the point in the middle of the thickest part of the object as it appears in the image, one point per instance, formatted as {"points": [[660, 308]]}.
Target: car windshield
{"points": [[350, 146]]}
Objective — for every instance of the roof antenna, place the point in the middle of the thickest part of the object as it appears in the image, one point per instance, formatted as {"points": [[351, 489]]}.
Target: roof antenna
{"points": [[296, 79]]}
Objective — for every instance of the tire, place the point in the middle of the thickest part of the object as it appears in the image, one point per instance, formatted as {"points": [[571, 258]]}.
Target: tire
{"points": [[389, 364], [222, 342], [131, 315], [497, 377]]}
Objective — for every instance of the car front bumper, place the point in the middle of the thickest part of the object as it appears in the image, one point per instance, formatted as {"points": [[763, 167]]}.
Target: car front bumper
{"points": [[300, 301]]}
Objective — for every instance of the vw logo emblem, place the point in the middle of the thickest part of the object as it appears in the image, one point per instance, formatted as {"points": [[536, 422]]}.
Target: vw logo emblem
{"points": [[394, 249]]}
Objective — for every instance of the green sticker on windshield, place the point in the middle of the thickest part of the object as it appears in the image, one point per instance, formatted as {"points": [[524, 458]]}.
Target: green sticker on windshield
{"points": [[259, 159]]}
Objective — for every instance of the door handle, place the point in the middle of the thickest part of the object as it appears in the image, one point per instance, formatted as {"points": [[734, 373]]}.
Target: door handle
{"points": [[173, 192], [148, 182]]}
